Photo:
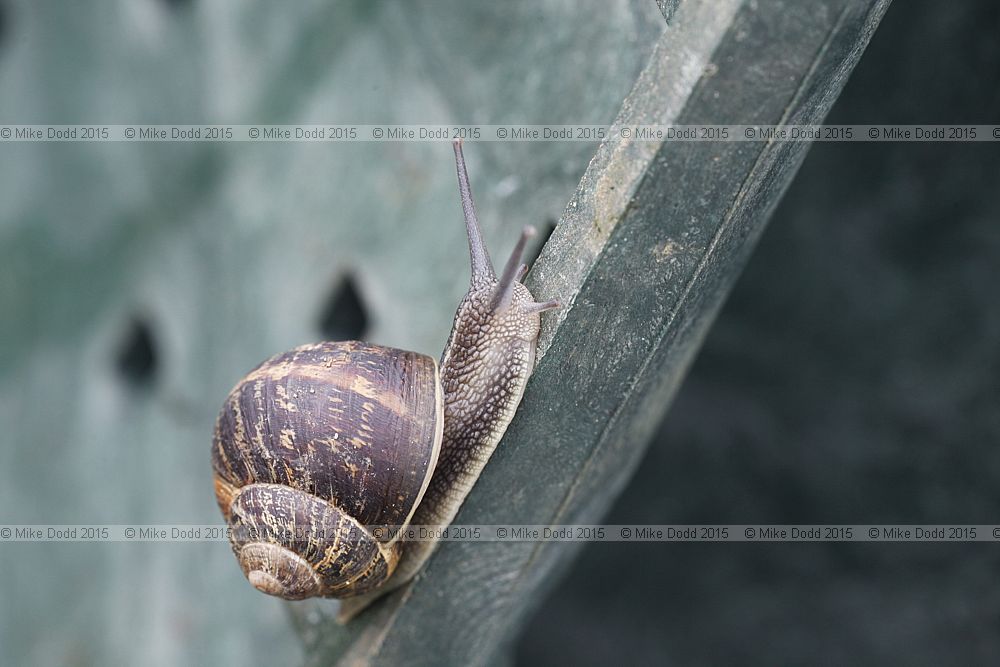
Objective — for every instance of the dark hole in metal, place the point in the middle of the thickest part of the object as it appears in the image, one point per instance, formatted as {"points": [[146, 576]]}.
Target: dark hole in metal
{"points": [[137, 359], [343, 317]]}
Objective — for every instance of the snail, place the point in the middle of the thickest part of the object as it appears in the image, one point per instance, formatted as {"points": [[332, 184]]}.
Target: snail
{"points": [[319, 447]]}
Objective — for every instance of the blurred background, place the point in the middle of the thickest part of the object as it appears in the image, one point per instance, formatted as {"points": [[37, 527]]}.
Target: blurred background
{"points": [[852, 377]]}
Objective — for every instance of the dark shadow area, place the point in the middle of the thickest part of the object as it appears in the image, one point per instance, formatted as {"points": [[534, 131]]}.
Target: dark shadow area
{"points": [[544, 232], [853, 376], [3, 23], [343, 317], [137, 360]]}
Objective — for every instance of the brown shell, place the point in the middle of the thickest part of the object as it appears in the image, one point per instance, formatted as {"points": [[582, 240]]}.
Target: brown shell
{"points": [[295, 545], [356, 428]]}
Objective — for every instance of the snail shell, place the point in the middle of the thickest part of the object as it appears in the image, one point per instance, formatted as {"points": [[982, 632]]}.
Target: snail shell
{"points": [[320, 446], [312, 451]]}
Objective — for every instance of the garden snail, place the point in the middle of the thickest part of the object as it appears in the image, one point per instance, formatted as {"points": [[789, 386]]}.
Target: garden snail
{"points": [[318, 445]]}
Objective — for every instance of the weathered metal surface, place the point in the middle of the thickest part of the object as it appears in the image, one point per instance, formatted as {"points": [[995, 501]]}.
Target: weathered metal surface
{"points": [[667, 8]]}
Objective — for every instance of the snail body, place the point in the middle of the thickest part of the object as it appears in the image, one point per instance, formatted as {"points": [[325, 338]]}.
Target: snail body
{"points": [[318, 446]]}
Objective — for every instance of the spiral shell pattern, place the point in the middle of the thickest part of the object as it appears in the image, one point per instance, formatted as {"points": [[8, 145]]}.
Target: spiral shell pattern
{"points": [[313, 450]]}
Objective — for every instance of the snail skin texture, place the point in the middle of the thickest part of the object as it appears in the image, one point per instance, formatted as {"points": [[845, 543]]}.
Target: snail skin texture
{"points": [[319, 446]]}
